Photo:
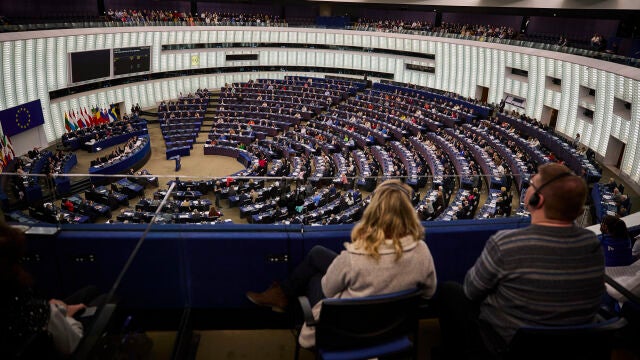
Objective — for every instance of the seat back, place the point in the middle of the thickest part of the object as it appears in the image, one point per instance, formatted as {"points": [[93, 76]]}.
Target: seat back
{"points": [[93, 341], [591, 341], [361, 322]]}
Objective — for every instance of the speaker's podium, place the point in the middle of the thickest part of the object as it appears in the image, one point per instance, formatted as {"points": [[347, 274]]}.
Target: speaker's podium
{"points": [[177, 159]]}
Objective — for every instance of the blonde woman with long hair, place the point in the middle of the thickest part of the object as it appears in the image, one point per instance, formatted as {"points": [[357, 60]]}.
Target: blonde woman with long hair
{"points": [[386, 254]]}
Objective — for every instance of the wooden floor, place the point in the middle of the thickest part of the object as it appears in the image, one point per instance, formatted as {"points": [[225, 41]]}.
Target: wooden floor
{"points": [[194, 167], [266, 344]]}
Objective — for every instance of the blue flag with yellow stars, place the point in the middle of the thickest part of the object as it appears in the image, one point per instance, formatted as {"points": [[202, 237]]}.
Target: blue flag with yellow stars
{"points": [[21, 118]]}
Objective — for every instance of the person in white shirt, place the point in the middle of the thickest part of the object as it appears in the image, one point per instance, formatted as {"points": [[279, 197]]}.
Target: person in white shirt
{"points": [[23, 314], [534, 142]]}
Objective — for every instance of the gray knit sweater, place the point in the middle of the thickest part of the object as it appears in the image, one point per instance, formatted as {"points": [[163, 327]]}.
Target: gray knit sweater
{"points": [[353, 274], [538, 275]]}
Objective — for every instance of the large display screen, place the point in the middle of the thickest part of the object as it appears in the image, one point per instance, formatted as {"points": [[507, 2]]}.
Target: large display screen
{"points": [[242, 57], [131, 60], [90, 65]]}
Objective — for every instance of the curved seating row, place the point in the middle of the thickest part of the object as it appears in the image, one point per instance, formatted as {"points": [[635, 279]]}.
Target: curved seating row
{"points": [[427, 150], [518, 168], [342, 129], [125, 162], [558, 146]]}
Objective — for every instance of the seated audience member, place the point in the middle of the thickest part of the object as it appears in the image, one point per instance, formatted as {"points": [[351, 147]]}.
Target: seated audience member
{"points": [[23, 314], [458, 212], [429, 210], [549, 273], [624, 206], [214, 212], [615, 241], [611, 184], [422, 213], [316, 198], [186, 204], [66, 203], [253, 194], [386, 254], [277, 213], [582, 150], [349, 199], [562, 41], [617, 196]]}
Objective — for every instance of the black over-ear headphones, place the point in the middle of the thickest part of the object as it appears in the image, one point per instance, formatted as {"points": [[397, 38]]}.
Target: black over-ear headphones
{"points": [[397, 186], [535, 198]]}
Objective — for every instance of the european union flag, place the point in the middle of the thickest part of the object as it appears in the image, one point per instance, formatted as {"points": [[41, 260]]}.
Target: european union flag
{"points": [[21, 118]]}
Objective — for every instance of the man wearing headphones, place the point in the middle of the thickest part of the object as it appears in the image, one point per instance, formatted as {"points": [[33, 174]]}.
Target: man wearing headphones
{"points": [[550, 273]]}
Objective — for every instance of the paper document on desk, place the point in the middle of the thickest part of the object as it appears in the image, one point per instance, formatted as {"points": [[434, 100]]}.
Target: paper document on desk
{"points": [[627, 276]]}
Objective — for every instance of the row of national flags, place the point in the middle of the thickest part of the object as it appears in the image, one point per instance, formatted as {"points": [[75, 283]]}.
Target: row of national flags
{"points": [[83, 118], [6, 152]]}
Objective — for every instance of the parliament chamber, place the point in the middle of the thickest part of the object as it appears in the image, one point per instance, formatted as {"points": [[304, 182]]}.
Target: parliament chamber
{"points": [[282, 118]]}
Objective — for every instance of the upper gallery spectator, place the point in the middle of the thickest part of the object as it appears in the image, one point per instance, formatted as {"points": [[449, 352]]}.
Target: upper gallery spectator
{"points": [[386, 254], [550, 273]]}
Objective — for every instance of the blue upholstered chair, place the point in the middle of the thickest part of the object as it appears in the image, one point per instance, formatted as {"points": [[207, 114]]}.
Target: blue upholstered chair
{"points": [[585, 342], [364, 328]]}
